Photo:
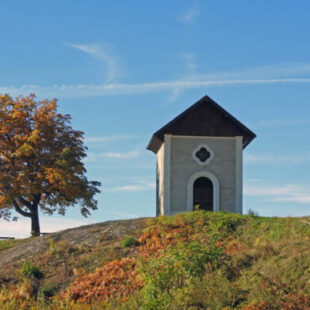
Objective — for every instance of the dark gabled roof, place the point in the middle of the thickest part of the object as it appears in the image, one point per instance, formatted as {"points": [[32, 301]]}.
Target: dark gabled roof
{"points": [[204, 118]]}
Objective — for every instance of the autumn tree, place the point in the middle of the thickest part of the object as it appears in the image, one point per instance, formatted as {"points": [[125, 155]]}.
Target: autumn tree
{"points": [[41, 161]]}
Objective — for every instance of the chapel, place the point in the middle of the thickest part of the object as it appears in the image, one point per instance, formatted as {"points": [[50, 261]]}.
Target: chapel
{"points": [[199, 160]]}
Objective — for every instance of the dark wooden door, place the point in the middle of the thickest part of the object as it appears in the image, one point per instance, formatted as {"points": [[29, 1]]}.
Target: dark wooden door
{"points": [[203, 194]]}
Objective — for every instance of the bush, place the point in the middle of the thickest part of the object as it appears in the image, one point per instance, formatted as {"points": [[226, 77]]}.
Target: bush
{"points": [[128, 242], [197, 260], [63, 249], [30, 271], [47, 290], [253, 213], [171, 274]]}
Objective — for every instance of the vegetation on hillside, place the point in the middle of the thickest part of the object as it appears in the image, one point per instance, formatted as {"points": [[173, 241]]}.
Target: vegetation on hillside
{"points": [[197, 260], [6, 244]]}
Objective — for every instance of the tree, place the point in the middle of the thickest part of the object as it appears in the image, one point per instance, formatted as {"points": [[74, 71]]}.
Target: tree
{"points": [[41, 161]]}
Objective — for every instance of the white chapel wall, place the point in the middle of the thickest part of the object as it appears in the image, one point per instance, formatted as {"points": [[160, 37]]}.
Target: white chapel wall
{"points": [[183, 166], [160, 180]]}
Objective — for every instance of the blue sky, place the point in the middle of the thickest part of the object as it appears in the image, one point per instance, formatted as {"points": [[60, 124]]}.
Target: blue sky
{"points": [[123, 69]]}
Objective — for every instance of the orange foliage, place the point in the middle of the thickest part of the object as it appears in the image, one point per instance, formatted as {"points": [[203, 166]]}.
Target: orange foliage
{"points": [[21, 293], [233, 247], [119, 278], [290, 301], [41, 159], [261, 305], [116, 279], [293, 301], [159, 238]]}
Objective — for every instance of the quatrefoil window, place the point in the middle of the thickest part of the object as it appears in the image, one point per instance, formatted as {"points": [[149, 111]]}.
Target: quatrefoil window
{"points": [[202, 154]]}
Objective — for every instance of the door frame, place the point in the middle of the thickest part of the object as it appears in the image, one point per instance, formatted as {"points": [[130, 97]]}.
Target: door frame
{"points": [[216, 189]]}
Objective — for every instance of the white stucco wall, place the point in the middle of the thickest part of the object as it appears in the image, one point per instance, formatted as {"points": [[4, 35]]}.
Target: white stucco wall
{"points": [[175, 166], [160, 181]]}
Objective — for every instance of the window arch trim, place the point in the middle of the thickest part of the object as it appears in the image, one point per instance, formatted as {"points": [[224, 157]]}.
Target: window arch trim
{"points": [[190, 189]]}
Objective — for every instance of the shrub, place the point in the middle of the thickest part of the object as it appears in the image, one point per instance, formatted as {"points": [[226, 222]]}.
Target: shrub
{"points": [[30, 271], [128, 242], [253, 213], [47, 290], [63, 249], [170, 274], [197, 260]]}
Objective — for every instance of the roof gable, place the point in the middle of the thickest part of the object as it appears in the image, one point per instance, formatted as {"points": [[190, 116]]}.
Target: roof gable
{"points": [[204, 118]]}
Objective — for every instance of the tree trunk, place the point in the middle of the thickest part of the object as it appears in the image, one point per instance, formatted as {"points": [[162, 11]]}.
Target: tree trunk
{"points": [[35, 224]]}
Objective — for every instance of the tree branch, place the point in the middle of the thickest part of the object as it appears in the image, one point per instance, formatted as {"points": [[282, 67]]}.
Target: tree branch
{"points": [[25, 202], [19, 210]]}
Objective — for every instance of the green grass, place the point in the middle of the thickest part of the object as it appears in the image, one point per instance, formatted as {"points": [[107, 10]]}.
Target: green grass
{"points": [[128, 242], [6, 244]]}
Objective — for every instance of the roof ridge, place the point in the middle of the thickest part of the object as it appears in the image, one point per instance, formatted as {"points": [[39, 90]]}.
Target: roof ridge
{"points": [[158, 136]]}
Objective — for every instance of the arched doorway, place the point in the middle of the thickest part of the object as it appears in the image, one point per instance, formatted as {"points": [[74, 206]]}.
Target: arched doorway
{"points": [[215, 189], [203, 194]]}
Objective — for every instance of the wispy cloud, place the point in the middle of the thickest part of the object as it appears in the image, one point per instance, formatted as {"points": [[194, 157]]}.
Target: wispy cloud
{"points": [[254, 76], [131, 154], [73, 91], [99, 139], [285, 193], [268, 74], [275, 71], [112, 155], [91, 157], [190, 62], [101, 52], [189, 16], [131, 188], [279, 70], [297, 121], [295, 198], [276, 159], [263, 190]]}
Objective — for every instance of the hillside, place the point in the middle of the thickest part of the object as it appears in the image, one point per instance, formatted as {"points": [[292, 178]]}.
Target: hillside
{"points": [[197, 260]]}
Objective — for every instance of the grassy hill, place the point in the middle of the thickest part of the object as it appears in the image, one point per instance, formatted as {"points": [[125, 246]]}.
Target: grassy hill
{"points": [[197, 260]]}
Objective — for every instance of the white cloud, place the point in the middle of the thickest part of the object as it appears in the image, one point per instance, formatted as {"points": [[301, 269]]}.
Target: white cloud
{"points": [[295, 198], [285, 193], [190, 61], [72, 91], [279, 70], [132, 166], [131, 188], [175, 93], [261, 190], [99, 139], [101, 52], [250, 76], [131, 154], [264, 72], [189, 16], [112, 155], [276, 159], [297, 121], [190, 67]]}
